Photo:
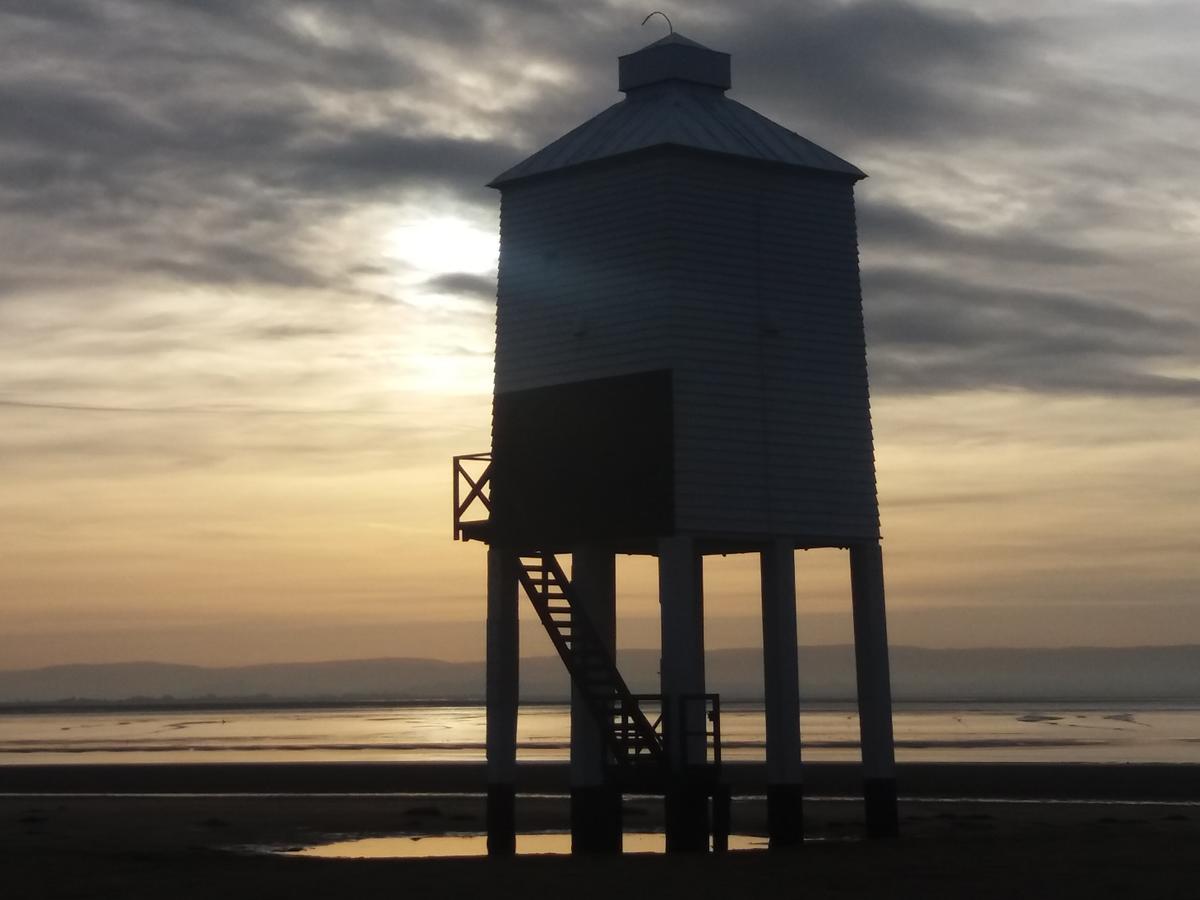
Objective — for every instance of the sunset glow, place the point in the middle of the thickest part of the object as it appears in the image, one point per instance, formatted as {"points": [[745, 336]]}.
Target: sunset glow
{"points": [[247, 316]]}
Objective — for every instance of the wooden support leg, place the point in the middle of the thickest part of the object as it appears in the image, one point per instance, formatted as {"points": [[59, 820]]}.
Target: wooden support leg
{"points": [[874, 690], [781, 683], [502, 678], [681, 596], [595, 803]]}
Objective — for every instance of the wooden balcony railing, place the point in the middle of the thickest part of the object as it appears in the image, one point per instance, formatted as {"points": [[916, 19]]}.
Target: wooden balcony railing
{"points": [[472, 495]]}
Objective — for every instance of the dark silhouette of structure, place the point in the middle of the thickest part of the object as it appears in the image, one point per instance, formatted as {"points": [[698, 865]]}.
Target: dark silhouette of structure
{"points": [[680, 371]]}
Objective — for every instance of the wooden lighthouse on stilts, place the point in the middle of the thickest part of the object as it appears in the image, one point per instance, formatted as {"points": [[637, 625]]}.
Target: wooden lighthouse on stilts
{"points": [[680, 371]]}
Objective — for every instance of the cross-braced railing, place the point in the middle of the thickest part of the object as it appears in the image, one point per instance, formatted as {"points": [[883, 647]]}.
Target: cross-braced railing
{"points": [[697, 726], [472, 493]]}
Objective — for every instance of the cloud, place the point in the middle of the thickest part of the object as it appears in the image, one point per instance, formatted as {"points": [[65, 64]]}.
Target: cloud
{"points": [[888, 224], [379, 159], [241, 130], [244, 149], [875, 70], [931, 332], [223, 264], [477, 287]]}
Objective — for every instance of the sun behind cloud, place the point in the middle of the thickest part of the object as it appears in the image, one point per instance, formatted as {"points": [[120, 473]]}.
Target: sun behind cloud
{"points": [[444, 244]]}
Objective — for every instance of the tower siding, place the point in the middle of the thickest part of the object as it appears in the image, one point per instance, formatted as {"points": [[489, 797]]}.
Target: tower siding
{"points": [[772, 419], [582, 277]]}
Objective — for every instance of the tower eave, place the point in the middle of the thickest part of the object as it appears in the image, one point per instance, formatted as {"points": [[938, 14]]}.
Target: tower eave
{"points": [[512, 176]]}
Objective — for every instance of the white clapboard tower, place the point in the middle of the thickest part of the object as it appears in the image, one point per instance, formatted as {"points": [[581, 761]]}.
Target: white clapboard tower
{"points": [[680, 371]]}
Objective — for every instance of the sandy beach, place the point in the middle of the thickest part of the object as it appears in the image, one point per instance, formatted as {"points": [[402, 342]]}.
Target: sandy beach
{"points": [[115, 841]]}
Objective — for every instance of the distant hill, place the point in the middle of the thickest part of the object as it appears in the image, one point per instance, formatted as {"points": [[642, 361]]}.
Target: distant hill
{"points": [[827, 673]]}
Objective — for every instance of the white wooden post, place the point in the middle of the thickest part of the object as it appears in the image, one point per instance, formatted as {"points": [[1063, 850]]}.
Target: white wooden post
{"points": [[781, 690], [681, 597], [595, 804], [874, 690], [503, 653]]}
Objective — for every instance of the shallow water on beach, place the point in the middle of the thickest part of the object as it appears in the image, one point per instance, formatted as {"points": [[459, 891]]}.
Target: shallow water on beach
{"points": [[994, 732], [554, 843]]}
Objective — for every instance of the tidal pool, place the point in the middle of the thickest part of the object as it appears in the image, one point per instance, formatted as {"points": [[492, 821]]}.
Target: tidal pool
{"points": [[558, 843]]}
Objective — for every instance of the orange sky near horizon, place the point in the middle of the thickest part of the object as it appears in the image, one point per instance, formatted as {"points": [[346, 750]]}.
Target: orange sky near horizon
{"points": [[243, 562]]}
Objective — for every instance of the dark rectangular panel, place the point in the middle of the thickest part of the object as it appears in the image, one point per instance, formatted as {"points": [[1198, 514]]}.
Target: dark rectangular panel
{"points": [[588, 460]]}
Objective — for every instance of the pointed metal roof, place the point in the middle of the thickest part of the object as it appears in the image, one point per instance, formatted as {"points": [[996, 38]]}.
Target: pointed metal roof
{"points": [[675, 96], [673, 38]]}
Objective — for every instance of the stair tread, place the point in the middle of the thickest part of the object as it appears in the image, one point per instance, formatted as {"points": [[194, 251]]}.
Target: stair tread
{"points": [[632, 738]]}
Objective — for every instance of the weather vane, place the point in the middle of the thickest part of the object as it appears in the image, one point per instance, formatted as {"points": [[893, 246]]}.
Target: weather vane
{"points": [[664, 15]]}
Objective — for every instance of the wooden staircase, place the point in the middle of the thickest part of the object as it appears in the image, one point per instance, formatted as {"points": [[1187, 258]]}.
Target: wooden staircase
{"points": [[640, 748], [634, 741]]}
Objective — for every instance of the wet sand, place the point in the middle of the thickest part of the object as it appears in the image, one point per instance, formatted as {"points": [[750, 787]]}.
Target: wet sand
{"points": [[1076, 781], [163, 845]]}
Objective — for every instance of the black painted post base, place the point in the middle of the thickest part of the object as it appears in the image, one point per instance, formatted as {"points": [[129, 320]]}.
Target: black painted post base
{"points": [[501, 820], [595, 819], [785, 816], [687, 818], [722, 814], [883, 817]]}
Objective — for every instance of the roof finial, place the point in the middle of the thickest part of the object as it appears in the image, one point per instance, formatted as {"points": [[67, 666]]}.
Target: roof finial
{"points": [[670, 27]]}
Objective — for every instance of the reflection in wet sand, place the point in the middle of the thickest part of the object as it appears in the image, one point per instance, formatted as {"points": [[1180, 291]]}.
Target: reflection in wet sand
{"points": [[414, 846]]}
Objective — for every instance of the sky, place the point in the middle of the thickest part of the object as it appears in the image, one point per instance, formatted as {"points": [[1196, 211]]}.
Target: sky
{"points": [[247, 288]]}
